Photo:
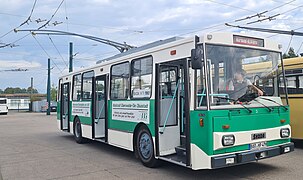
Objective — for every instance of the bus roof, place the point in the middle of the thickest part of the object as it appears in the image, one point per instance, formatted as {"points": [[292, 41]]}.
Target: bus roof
{"points": [[141, 48]]}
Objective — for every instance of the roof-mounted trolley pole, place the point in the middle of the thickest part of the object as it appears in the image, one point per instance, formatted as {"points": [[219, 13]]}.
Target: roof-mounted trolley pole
{"points": [[122, 47]]}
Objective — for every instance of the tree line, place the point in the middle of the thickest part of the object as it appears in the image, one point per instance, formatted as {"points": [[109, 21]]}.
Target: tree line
{"points": [[18, 90]]}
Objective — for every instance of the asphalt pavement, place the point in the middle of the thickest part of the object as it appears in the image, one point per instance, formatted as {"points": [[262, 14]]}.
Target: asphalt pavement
{"points": [[31, 147]]}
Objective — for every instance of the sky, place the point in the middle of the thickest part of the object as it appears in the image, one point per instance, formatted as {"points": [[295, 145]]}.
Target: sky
{"points": [[132, 21]]}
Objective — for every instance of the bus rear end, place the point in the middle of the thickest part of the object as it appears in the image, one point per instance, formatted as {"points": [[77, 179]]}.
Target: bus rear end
{"points": [[238, 116]]}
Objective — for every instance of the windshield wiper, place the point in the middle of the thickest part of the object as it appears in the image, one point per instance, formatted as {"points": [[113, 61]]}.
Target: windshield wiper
{"points": [[269, 109], [285, 108], [249, 110]]}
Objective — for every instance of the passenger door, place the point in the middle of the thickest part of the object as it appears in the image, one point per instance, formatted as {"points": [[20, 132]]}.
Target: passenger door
{"points": [[64, 117], [167, 113], [100, 107]]}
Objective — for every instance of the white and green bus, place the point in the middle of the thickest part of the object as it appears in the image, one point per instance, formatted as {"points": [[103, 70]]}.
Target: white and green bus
{"points": [[177, 100]]}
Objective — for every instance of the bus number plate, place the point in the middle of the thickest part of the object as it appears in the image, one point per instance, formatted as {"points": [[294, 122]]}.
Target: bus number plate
{"points": [[258, 145]]}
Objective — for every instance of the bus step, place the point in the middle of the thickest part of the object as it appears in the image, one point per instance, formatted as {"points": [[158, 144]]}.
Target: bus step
{"points": [[180, 150]]}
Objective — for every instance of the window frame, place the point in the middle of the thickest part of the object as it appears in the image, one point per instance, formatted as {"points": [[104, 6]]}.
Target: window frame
{"points": [[151, 80], [73, 87], [111, 78], [59, 89], [82, 97]]}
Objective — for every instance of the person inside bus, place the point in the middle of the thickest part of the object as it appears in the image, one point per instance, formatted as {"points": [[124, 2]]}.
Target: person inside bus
{"points": [[240, 85]]}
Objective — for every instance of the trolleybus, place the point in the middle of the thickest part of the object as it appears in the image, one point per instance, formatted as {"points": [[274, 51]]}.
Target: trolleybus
{"points": [[294, 84], [178, 100]]}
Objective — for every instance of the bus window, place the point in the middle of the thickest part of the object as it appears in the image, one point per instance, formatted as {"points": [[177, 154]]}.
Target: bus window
{"points": [[59, 90], [301, 82], [168, 82], [200, 88], [87, 85], [119, 81], [3, 101], [235, 72], [141, 77], [77, 87]]}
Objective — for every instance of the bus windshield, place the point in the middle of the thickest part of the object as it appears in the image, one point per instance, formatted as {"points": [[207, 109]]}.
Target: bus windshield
{"points": [[236, 71]]}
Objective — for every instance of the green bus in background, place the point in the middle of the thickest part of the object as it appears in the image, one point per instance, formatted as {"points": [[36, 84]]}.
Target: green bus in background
{"points": [[196, 102]]}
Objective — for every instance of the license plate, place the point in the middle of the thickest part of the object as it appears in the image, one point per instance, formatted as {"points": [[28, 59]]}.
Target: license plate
{"points": [[258, 145]]}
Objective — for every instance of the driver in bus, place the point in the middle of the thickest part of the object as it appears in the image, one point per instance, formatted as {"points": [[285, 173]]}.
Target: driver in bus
{"points": [[240, 85]]}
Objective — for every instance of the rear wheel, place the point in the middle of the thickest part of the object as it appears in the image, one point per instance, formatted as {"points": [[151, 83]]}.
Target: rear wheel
{"points": [[145, 148], [78, 131]]}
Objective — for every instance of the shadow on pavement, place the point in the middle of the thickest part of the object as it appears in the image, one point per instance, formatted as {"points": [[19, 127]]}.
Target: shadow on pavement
{"points": [[233, 172]]}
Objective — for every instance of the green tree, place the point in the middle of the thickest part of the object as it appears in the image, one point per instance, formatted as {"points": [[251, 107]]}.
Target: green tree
{"points": [[1, 91], [54, 93], [291, 53], [9, 90], [17, 90], [35, 91]]}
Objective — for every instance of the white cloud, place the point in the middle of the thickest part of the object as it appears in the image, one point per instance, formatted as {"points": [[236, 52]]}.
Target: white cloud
{"points": [[18, 64]]}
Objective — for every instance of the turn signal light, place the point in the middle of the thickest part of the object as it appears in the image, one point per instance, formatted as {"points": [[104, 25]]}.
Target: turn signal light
{"points": [[225, 126], [201, 122], [282, 120]]}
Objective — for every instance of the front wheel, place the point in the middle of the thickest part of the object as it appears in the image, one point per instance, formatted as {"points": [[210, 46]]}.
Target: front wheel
{"points": [[145, 148], [78, 131]]}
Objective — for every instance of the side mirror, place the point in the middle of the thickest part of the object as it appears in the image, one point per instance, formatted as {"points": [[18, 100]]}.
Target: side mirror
{"points": [[196, 57]]}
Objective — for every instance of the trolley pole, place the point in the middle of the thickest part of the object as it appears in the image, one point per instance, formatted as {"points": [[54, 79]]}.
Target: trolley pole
{"points": [[70, 57], [48, 88]]}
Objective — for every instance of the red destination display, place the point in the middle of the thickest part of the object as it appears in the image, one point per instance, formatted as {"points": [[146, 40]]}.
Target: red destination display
{"points": [[248, 41]]}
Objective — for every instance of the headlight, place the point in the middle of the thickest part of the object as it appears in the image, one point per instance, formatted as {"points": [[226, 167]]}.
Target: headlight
{"points": [[228, 140], [285, 132]]}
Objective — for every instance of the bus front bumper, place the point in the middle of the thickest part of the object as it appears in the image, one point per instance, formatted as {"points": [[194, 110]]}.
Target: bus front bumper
{"points": [[250, 156]]}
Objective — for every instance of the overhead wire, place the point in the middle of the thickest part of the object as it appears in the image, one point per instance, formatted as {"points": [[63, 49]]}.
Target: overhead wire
{"points": [[299, 48], [287, 3], [66, 65], [8, 14], [25, 22], [236, 7], [274, 15], [66, 18], [47, 54], [53, 15]]}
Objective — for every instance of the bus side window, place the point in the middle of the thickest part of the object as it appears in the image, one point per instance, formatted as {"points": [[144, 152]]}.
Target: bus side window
{"points": [[119, 81], [141, 77], [87, 85], [77, 87]]}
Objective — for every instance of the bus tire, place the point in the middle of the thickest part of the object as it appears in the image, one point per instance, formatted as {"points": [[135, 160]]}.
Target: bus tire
{"points": [[145, 148], [78, 131]]}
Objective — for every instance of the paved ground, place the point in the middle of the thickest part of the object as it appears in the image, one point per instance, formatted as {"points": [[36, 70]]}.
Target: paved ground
{"points": [[31, 147]]}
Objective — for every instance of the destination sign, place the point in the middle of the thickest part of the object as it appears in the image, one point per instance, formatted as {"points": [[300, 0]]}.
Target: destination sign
{"points": [[248, 41]]}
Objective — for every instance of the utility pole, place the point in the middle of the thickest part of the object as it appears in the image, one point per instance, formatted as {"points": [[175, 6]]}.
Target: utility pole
{"points": [[31, 95], [70, 57], [48, 87]]}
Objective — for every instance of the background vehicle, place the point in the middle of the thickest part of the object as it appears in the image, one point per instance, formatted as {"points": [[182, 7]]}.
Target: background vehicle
{"points": [[294, 83], [3, 106], [171, 100]]}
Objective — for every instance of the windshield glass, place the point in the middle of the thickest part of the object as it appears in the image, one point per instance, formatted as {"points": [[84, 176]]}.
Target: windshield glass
{"points": [[234, 72]]}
